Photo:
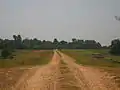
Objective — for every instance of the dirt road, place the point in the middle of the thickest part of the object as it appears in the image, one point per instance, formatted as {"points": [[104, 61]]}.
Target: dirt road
{"points": [[62, 73], [89, 78], [40, 77]]}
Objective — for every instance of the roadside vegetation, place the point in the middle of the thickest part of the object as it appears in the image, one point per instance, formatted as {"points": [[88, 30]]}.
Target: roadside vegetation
{"points": [[27, 58], [94, 57]]}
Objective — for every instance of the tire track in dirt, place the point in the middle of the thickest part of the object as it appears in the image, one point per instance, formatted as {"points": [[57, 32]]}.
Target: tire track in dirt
{"points": [[62, 73], [40, 78], [89, 78], [54, 76], [66, 79], [79, 82]]}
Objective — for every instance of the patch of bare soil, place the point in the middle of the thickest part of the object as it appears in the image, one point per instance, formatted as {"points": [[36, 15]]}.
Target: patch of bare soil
{"points": [[9, 76], [66, 79], [40, 78], [89, 78], [114, 74], [54, 76]]}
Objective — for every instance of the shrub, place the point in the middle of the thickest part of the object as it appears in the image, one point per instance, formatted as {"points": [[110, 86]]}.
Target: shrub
{"points": [[5, 53]]}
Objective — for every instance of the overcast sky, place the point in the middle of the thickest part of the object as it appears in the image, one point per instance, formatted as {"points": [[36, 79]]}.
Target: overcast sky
{"points": [[63, 19]]}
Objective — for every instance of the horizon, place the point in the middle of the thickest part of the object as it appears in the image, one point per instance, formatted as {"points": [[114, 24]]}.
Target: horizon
{"points": [[54, 38], [57, 39]]}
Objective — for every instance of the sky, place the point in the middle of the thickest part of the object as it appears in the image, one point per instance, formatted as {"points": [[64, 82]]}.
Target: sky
{"points": [[62, 19]]}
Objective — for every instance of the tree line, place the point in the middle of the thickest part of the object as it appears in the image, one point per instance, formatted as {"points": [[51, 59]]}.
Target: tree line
{"points": [[19, 43], [8, 46]]}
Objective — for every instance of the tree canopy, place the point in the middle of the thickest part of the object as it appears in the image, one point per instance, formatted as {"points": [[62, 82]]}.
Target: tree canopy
{"points": [[19, 43]]}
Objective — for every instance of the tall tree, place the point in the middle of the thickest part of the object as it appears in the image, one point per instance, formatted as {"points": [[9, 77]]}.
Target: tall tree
{"points": [[56, 43], [18, 41], [15, 37], [74, 40], [19, 38]]}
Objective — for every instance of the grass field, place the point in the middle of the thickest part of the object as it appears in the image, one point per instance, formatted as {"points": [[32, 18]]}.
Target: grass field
{"points": [[85, 57], [26, 58]]}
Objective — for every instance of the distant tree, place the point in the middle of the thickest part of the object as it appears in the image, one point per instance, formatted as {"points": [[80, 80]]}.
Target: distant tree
{"points": [[63, 42], [15, 37], [18, 42], [1, 40], [19, 38], [115, 47], [74, 40], [105, 47], [1, 43], [117, 18], [55, 41], [27, 43], [63, 45], [43, 41], [80, 41], [36, 41], [47, 45]]}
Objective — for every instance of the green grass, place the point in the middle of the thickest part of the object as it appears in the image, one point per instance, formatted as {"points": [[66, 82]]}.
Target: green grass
{"points": [[26, 58], [84, 57]]}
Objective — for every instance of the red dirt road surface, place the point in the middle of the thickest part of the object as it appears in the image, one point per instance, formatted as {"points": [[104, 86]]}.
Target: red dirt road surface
{"points": [[62, 73]]}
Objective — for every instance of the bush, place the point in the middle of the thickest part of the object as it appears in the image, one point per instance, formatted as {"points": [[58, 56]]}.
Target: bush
{"points": [[5, 53]]}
